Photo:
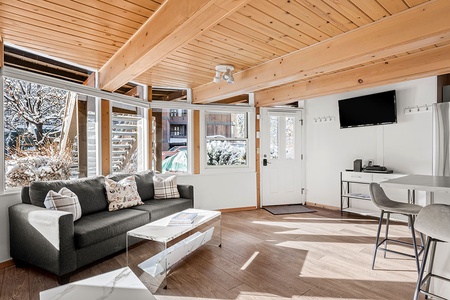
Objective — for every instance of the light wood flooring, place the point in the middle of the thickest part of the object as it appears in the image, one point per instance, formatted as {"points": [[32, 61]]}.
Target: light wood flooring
{"points": [[320, 255]]}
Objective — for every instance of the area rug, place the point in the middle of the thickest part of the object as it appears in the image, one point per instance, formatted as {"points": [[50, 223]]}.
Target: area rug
{"points": [[288, 209]]}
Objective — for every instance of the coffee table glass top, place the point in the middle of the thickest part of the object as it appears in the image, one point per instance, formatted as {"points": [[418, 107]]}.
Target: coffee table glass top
{"points": [[161, 231]]}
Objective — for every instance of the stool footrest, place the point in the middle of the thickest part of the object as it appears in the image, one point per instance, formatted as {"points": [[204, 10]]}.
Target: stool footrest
{"points": [[402, 243]]}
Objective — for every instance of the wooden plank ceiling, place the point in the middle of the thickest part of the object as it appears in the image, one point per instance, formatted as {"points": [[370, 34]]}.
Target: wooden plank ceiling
{"points": [[178, 43]]}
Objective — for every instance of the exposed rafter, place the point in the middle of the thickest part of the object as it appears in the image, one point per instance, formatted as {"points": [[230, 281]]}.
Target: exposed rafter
{"points": [[175, 23], [413, 66], [410, 30]]}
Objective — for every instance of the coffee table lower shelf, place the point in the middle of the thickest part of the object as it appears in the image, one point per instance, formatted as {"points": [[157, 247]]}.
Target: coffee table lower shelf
{"points": [[176, 246]]}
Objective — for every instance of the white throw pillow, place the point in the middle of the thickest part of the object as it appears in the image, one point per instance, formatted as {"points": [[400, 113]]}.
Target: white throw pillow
{"points": [[64, 200], [122, 194], [165, 187]]}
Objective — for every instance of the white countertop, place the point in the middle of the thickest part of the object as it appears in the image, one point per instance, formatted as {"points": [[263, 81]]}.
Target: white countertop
{"points": [[428, 183]]}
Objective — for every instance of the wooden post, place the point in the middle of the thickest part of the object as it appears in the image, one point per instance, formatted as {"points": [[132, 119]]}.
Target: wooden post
{"points": [[2, 53], [106, 136], [82, 139], [257, 156], [150, 129], [196, 146], [159, 138]]}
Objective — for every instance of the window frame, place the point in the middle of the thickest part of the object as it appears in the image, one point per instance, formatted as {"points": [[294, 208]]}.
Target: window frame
{"points": [[250, 140], [11, 72], [170, 106]]}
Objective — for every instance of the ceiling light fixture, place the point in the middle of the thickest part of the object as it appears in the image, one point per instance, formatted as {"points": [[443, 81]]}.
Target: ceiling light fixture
{"points": [[226, 72]]}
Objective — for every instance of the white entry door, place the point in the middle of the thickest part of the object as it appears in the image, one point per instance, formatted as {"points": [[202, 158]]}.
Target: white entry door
{"points": [[281, 157]]}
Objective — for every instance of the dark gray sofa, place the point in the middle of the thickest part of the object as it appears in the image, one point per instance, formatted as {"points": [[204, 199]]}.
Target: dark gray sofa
{"points": [[51, 240]]}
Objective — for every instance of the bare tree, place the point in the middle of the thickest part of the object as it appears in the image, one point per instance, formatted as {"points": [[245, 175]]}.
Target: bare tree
{"points": [[31, 106]]}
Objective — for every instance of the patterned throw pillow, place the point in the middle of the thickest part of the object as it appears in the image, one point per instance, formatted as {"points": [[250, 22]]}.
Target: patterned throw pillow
{"points": [[64, 200], [165, 187], [122, 194]]}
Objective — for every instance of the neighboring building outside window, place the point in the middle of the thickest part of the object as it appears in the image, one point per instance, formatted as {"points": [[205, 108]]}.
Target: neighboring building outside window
{"points": [[170, 140]]}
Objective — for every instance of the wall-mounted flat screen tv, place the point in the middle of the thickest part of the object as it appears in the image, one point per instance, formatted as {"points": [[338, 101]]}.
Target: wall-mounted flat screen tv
{"points": [[368, 110]]}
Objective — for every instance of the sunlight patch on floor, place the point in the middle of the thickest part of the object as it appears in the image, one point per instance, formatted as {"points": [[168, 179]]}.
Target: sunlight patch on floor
{"points": [[249, 261]]}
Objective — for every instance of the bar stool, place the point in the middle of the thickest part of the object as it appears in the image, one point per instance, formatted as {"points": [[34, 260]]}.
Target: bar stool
{"points": [[389, 207], [433, 221]]}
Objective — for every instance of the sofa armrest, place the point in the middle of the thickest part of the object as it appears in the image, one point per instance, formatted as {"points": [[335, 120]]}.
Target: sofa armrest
{"points": [[186, 191], [42, 237]]}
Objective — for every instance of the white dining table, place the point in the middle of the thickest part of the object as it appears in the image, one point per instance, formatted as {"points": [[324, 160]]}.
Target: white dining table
{"points": [[413, 183]]}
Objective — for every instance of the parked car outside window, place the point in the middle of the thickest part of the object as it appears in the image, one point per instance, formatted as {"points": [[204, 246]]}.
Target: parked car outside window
{"points": [[172, 151]]}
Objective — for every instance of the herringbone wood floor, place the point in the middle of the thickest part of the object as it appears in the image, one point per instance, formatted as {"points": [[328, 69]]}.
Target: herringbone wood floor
{"points": [[320, 255]]}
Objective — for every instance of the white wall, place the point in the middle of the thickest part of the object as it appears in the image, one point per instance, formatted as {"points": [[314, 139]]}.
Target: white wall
{"points": [[5, 202], [405, 147], [222, 191]]}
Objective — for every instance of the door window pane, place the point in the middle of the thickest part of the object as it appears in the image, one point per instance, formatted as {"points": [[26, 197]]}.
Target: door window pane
{"points": [[290, 138], [274, 131]]}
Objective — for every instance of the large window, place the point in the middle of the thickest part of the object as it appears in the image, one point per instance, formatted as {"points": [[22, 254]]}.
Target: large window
{"points": [[126, 139], [226, 138], [170, 140], [49, 133]]}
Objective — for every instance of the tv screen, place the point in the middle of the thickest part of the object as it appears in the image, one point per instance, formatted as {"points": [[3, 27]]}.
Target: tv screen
{"points": [[374, 109]]}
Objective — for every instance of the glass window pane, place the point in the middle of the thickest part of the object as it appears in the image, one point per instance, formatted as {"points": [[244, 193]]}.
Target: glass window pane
{"points": [[126, 156], [170, 140], [274, 136], [290, 138], [40, 133], [226, 152], [226, 125]]}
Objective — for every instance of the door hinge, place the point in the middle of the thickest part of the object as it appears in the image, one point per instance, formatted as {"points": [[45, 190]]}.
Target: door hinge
{"points": [[301, 122], [303, 191], [301, 156]]}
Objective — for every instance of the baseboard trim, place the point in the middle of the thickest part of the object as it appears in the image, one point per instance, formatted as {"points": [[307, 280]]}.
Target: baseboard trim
{"points": [[225, 210], [322, 206], [7, 263]]}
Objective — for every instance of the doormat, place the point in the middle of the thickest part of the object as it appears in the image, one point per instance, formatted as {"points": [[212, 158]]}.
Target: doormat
{"points": [[288, 209]]}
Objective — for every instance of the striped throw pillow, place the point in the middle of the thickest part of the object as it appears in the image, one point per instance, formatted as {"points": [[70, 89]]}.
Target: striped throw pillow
{"points": [[165, 187], [64, 200]]}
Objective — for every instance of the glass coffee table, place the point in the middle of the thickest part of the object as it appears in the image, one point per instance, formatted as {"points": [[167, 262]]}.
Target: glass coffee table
{"points": [[177, 241], [115, 285]]}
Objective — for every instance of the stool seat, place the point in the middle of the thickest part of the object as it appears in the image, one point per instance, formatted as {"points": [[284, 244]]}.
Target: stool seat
{"points": [[380, 199], [434, 221]]}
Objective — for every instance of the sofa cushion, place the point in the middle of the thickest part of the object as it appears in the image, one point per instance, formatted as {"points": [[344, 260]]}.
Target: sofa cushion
{"points": [[101, 226], [64, 200], [122, 194], [162, 208], [90, 191], [165, 187], [144, 182]]}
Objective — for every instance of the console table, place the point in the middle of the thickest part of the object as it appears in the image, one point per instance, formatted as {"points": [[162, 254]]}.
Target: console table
{"points": [[350, 193]]}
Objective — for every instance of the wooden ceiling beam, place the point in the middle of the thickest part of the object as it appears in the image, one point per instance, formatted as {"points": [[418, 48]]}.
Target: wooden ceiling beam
{"points": [[417, 27], [175, 23], [418, 65]]}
